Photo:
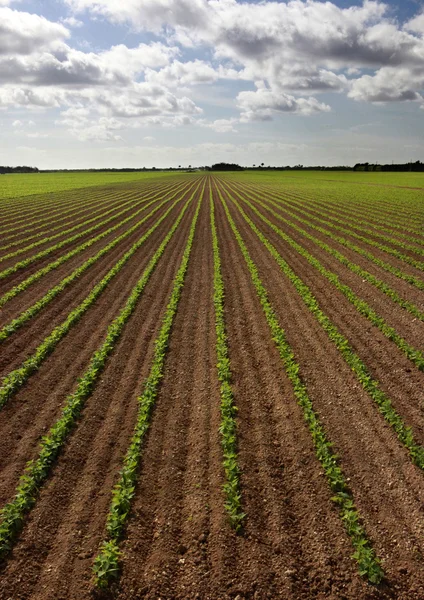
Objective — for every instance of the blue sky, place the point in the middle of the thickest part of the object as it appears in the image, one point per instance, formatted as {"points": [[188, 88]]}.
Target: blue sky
{"points": [[100, 83]]}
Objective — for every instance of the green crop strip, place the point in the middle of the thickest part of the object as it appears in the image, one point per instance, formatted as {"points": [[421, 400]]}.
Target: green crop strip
{"points": [[415, 281], [380, 236], [378, 283], [368, 563], [106, 563], [33, 310], [15, 380], [361, 306], [17, 289], [332, 207], [129, 205], [360, 206], [115, 197], [370, 385], [228, 428], [114, 204], [29, 220], [46, 222], [12, 514], [411, 261], [20, 265]]}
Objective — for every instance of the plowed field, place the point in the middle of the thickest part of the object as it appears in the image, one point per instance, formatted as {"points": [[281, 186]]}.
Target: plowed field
{"points": [[212, 388]]}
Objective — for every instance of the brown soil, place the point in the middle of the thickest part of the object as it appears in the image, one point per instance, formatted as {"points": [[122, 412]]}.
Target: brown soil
{"points": [[58, 274], [84, 211], [391, 213], [9, 262], [178, 543], [411, 328], [386, 486], [403, 287]]}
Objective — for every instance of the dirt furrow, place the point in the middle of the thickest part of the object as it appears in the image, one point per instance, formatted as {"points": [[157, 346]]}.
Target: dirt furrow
{"points": [[57, 274], [381, 254], [63, 237], [398, 376], [388, 489], [65, 528], [180, 474], [22, 343], [28, 415], [89, 210], [406, 325], [405, 289]]}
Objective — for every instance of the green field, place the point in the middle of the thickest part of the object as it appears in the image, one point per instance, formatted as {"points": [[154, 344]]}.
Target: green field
{"points": [[27, 184]]}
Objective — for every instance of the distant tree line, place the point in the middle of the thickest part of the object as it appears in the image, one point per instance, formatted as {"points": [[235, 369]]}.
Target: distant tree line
{"points": [[222, 166], [417, 166], [4, 170]]}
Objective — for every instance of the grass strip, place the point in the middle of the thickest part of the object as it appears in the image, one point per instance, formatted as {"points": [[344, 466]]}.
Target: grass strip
{"points": [[20, 287], [106, 563], [228, 428], [414, 355], [368, 563], [12, 515], [370, 385], [16, 379]]}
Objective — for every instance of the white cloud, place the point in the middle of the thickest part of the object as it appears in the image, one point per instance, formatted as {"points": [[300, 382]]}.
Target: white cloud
{"points": [[220, 125], [72, 22], [263, 103], [23, 33], [389, 85], [416, 24], [297, 46]]}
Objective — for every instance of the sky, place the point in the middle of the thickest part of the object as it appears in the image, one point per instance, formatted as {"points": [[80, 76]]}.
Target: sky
{"points": [[143, 83]]}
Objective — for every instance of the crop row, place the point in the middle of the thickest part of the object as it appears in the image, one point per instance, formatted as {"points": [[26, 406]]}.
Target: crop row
{"points": [[123, 208], [341, 223], [17, 378], [368, 563], [13, 513], [17, 289], [365, 275], [33, 222], [33, 310], [370, 385], [106, 564], [228, 428], [24, 263], [356, 214], [335, 195], [368, 203], [414, 355], [76, 216], [31, 218], [415, 281]]}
